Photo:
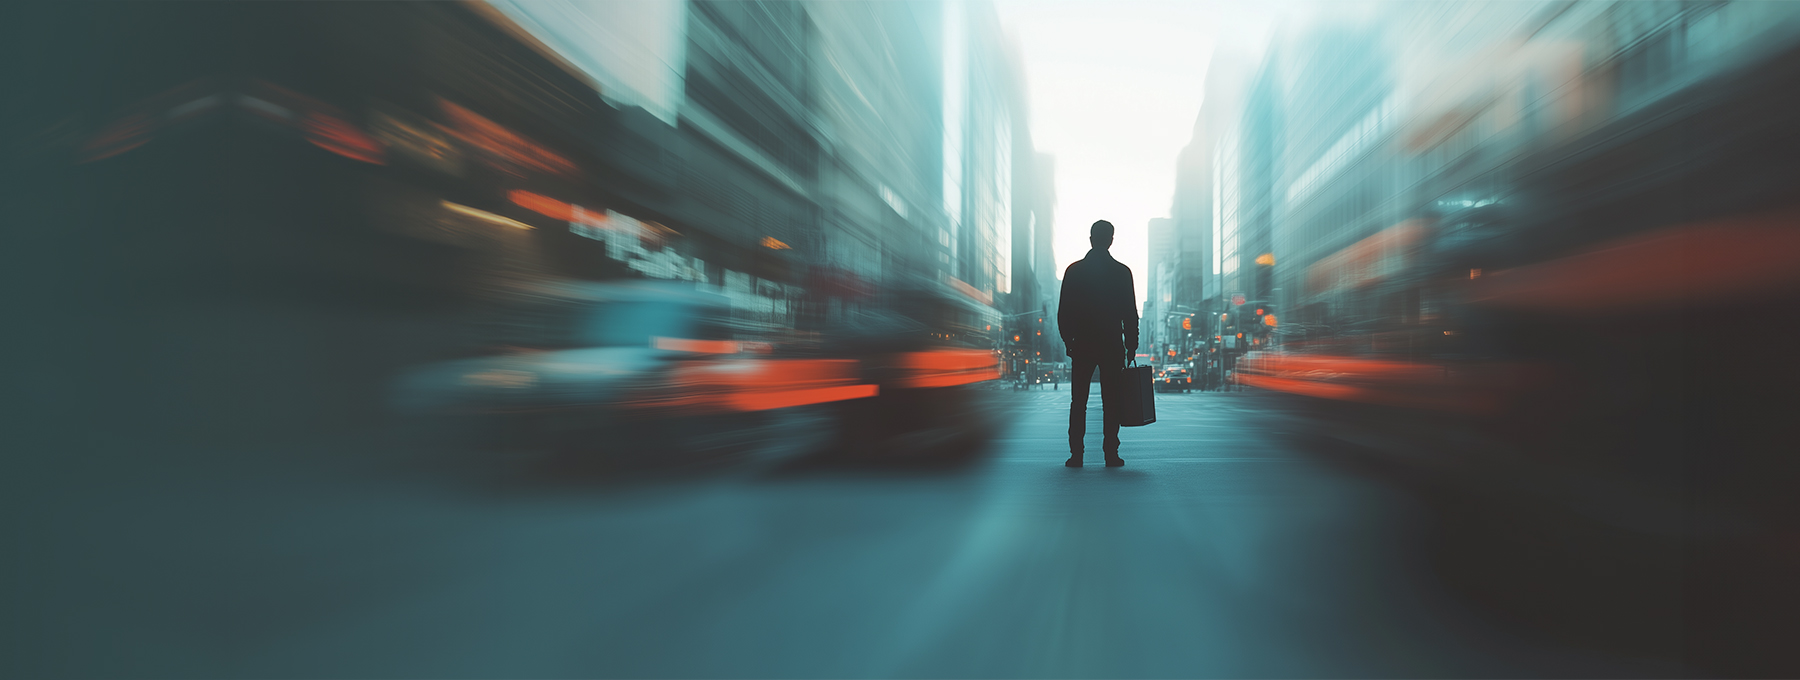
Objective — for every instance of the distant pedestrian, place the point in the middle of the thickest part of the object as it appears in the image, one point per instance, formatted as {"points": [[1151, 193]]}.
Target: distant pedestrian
{"points": [[1098, 320]]}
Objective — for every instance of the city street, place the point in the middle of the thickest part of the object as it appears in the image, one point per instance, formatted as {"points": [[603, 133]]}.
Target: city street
{"points": [[691, 339], [1217, 551]]}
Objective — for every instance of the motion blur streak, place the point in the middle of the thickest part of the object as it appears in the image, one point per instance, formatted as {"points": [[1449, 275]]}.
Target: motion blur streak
{"points": [[494, 138], [339, 137], [485, 216], [694, 338], [121, 136], [767, 399], [1744, 257], [945, 367], [1348, 378], [750, 385], [542, 205], [697, 346]]}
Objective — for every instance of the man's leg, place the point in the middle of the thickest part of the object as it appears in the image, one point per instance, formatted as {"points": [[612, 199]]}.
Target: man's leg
{"points": [[1078, 398], [1111, 390]]}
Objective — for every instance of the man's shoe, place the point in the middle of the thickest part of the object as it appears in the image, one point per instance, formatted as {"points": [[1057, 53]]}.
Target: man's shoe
{"points": [[1073, 461], [1113, 460]]}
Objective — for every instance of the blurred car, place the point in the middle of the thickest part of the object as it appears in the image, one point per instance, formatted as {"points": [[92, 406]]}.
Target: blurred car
{"points": [[1174, 380], [642, 372], [563, 345], [929, 351]]}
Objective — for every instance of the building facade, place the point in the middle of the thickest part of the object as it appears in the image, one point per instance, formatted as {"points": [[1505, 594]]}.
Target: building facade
{"points": [[1373, 166], [803, 157]]}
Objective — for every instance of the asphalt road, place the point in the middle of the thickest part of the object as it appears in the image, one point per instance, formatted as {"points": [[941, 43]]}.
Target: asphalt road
{"points": [[1220, 549]]}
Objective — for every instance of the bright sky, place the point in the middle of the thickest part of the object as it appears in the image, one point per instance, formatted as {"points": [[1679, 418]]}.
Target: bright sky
{"points": [[1115, 88]]}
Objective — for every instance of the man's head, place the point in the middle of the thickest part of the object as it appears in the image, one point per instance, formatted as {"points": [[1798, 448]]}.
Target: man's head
{"points": [[1100, 235]]}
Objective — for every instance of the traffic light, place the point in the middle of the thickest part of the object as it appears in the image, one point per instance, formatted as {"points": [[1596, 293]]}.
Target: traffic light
{"points": [[1187, 324], [1265, 319]]}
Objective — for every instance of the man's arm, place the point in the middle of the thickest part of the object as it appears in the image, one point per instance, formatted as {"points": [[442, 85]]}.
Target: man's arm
{"points": [[1129, 317]]}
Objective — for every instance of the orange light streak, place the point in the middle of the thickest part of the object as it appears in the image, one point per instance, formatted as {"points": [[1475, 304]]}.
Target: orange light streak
{"points": [[1462, 402], [510, 146], [768, 400], [542, 205], [696, 346], [946, 367], [948, 379], [340, 137], [1738, 257], [708, 386]]}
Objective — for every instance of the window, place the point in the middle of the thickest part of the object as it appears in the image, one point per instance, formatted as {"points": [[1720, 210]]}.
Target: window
{"points": [[1359, 138]]}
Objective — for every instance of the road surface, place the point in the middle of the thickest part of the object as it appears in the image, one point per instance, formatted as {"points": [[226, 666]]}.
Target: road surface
{"points": [[1220, 550]]}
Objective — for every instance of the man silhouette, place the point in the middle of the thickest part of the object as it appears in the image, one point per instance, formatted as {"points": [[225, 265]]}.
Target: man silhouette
{"points": [[1098, 320]]}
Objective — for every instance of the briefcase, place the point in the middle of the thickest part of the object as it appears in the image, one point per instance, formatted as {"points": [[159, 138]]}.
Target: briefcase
{"points": [[1137, 403]]}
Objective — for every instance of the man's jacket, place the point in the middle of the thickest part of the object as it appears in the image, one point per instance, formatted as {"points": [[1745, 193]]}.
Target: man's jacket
{"points": [[1097, 316]]}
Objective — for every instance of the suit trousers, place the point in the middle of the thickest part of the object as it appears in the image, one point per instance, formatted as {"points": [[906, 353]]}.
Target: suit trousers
{"points": [[1110, 371]]}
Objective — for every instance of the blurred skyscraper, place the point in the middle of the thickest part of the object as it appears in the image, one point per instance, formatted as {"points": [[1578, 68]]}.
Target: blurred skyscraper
{"points": [[789, 157], [1044, 272], [1190, 253], [1333, 185], [1159, 327], [817, 151], [1378, 152]]}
